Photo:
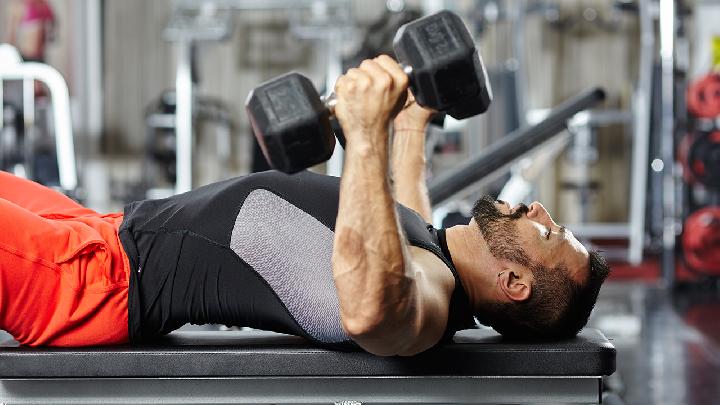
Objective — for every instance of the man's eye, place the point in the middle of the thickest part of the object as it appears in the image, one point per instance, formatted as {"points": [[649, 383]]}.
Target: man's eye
{"points": [[547, 234]]}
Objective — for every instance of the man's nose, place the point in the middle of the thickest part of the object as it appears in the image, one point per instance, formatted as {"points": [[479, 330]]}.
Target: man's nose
{"points": [[539, 213]]}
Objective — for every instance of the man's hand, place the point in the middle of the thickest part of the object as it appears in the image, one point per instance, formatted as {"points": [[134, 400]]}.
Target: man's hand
{"points": [[368, 97], [413, 117]]}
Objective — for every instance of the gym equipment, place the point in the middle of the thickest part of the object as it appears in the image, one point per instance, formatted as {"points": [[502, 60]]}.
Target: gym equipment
{"points": [[10, 145], [703, 96], [211, 118], [701, 240], [378, 36], [188, 26], [291, 120], [264, 367], [505, 151], [13, 68], [699, 153]]}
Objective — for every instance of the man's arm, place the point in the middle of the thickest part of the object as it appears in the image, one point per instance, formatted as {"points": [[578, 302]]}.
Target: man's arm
{"points": [[408, 158], [388, 305]]}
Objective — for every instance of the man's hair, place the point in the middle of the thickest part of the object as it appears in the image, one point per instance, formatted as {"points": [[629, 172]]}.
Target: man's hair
{"points": [[558, 306]]}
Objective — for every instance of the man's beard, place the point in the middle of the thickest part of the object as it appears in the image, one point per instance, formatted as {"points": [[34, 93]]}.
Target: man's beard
{"points": [[500, 230]]}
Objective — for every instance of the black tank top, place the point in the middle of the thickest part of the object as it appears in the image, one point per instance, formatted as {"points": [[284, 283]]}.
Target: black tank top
{"points": [[252, 251]]}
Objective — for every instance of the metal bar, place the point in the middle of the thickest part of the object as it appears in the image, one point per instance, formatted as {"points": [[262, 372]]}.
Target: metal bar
{"points": [[29, 133], [511, 147], [642, 103], [61, 113], [161, 121], [28, 92], [599, 118], [2, 104], [250, 5], [580, 154], [183, 118], [600, 230], [305, 390], [667, 131], [519, 187], [93, 59], [518, 23], [333, 70]]}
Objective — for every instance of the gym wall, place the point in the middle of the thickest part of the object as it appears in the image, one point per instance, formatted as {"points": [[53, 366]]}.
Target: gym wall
{"points": [[138, 65]]}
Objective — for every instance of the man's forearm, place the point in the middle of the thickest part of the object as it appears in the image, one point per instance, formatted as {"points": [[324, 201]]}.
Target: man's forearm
{"points": [[374, 277], [408, 168], [369, 260]]}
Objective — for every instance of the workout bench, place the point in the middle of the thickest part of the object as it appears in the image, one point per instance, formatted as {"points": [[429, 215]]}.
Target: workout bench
{"points": [[264, 367]]}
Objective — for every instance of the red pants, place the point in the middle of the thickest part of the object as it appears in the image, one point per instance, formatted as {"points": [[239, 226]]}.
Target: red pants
{"points": [[63, 272]]}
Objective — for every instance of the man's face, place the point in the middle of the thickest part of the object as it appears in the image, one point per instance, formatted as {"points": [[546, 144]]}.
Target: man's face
{"points": [[527, 234]]}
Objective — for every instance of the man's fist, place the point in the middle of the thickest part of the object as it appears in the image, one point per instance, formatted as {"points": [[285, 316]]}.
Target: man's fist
{"points": [[368, 97]]}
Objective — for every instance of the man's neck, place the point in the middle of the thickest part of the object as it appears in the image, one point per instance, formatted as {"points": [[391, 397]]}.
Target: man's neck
{"points": [[471, 259]]}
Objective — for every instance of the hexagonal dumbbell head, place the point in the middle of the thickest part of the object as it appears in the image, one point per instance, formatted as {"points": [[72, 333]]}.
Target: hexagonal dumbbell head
{"points": [[447, 72], [290, 123]]}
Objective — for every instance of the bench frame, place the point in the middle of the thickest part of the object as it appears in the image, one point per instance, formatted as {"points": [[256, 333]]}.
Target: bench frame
{"points": [[304, 390], [267, 368]]}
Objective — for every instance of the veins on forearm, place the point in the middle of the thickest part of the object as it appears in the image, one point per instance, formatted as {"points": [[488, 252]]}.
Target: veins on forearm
{"points": [[370, 272], [408, 166], [369, 258]]}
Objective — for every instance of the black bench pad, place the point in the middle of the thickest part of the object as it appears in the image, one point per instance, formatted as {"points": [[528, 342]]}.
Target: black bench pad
{"points": [[475, 352]]}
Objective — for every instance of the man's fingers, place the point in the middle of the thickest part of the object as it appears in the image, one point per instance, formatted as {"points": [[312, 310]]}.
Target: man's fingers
{"points": [[394, 69], [359, 78], [341, 83], [378, 74]]}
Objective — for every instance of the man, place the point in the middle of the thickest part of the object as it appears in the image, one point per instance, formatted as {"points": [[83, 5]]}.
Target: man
{"points": [[334, 260]]}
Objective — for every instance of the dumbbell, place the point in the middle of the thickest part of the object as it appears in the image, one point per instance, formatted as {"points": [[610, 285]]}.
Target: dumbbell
{"points": [[292, 122]]}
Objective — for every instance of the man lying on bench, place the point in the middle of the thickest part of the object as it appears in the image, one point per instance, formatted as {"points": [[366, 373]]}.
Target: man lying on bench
{"points": [[337, 261]]}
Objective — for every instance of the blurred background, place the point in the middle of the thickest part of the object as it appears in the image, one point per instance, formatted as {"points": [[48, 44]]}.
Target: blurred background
{"points": [[112, 101]]}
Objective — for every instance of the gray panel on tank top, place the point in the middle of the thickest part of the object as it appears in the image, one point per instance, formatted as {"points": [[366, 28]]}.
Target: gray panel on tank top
{"points": [[292, 251]]}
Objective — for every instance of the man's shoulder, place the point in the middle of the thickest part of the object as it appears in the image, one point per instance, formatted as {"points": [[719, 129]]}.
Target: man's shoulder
{"points": [[434, 269]]}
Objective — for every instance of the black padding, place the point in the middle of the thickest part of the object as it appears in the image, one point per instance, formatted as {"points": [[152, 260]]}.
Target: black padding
{"points": [[237, 354]]}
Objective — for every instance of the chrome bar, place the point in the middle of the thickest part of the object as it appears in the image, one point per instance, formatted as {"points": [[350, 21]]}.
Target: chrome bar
{"points": [[184, 117], [250, 5], [305, 390], [642, 103], [333, 70], [59, 94], [667, 131]]}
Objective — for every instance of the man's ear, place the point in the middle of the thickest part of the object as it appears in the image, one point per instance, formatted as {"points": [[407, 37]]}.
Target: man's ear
{"points": [[514, 282]]}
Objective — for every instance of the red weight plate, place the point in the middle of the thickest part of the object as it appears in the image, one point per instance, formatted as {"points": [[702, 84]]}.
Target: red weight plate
{"points": [[701, 240]]}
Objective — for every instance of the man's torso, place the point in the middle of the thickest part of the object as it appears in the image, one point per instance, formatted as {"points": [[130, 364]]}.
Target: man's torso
{"points": [[266, 237]]}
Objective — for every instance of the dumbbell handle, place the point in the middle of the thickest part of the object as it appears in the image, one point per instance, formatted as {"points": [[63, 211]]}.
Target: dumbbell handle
{"points": [[330, 100]]}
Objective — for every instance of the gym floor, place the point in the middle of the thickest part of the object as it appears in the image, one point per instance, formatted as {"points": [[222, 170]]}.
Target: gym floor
{"points": [[668, 344]]}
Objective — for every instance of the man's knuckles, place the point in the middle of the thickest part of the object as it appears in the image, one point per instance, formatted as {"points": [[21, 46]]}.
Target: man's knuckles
{"points": [[383, 82], [402, 81], [367, 64]]}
